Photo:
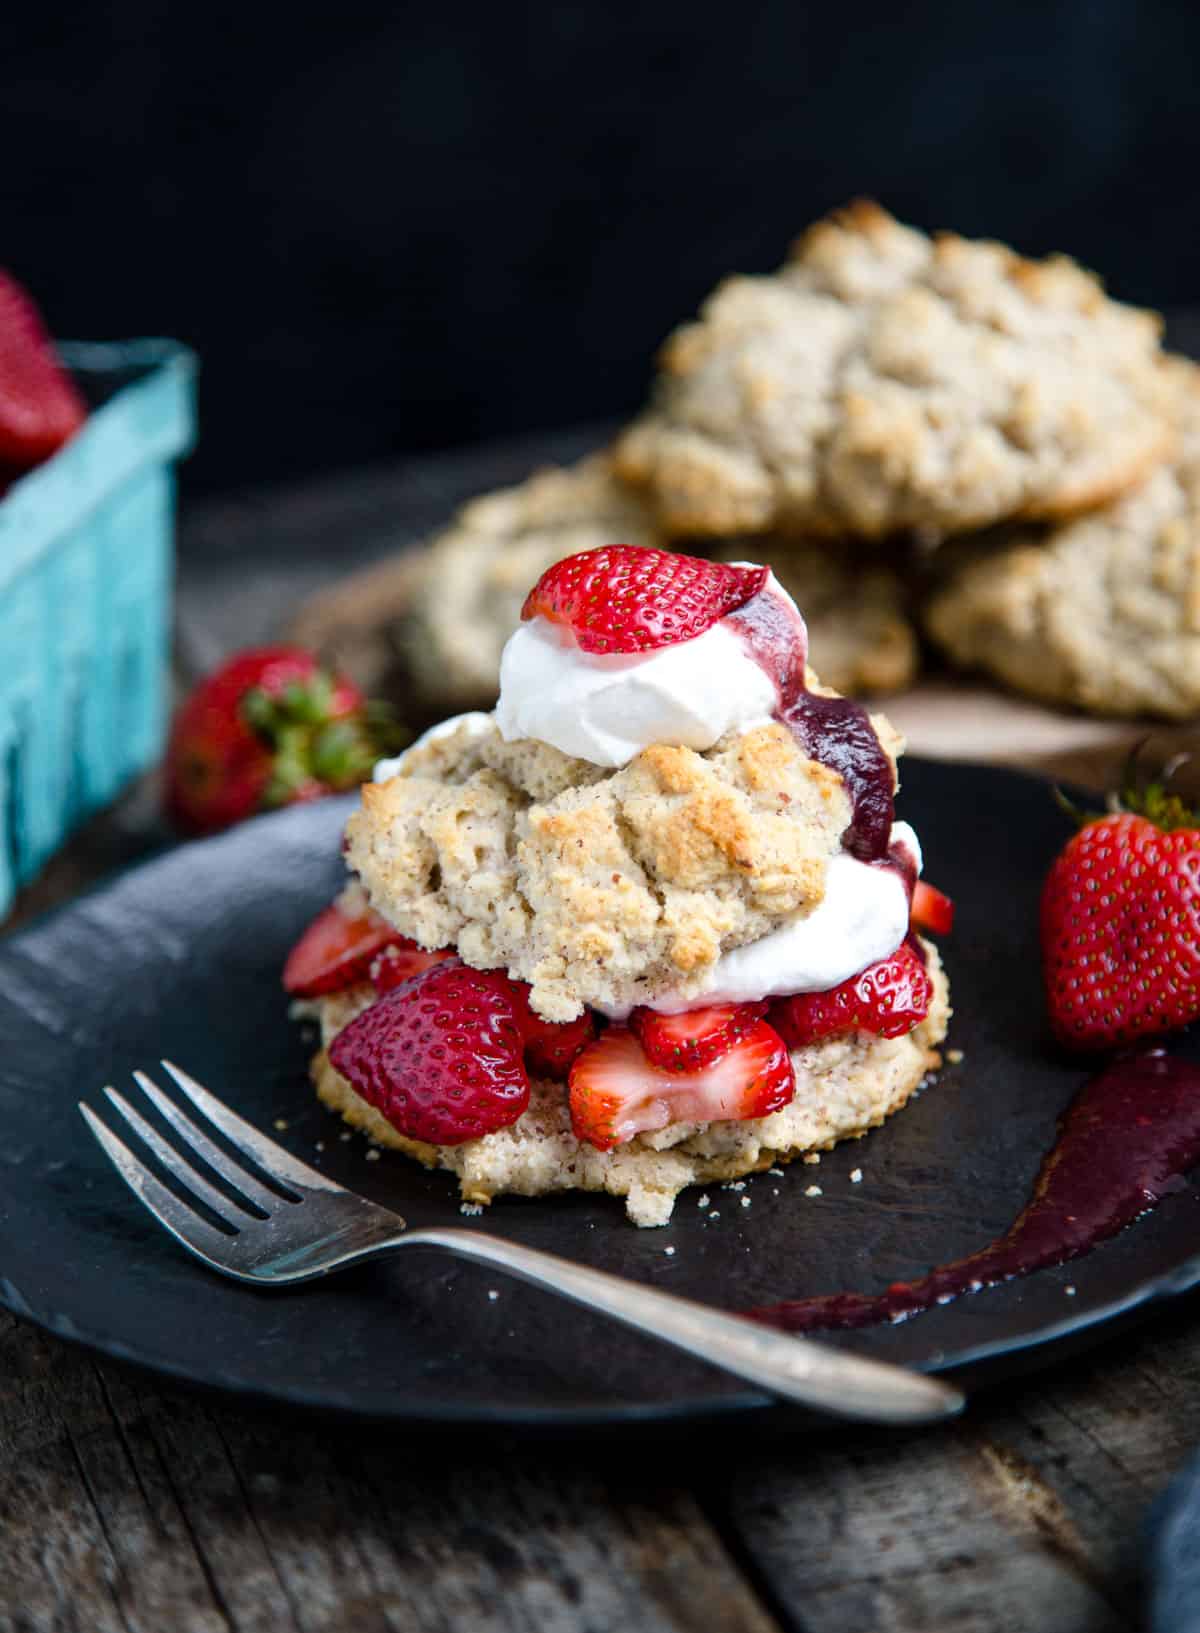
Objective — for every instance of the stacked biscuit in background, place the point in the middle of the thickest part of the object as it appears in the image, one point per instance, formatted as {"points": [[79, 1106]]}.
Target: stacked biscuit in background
{"points": [[912, 431]]}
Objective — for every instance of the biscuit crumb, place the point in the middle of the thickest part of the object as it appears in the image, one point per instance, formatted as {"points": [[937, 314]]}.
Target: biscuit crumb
{"points": [[777, 1172], [346, 1134], [320, 1145], [856, 1176], [714, 1214], [703, 1201], [493, 1294], [745, 1202], [811, 1157], [373, 1154], [734, 1185], [814, 1190], [669, 1251], [954, 1056], [281, 1123], [1069, 1291], [471, 1209]]}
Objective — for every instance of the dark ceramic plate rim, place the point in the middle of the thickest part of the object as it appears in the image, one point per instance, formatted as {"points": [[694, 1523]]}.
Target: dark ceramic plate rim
{"points": [[1041, 1342], [1042, 1345]]}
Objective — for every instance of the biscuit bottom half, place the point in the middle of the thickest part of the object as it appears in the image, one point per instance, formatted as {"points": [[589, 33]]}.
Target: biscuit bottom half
{"points": [[844, 1086]]}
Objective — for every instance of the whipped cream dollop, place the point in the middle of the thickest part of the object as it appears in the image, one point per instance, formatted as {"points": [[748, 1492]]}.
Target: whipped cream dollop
{"points": [[862, 918], [606, 708]]}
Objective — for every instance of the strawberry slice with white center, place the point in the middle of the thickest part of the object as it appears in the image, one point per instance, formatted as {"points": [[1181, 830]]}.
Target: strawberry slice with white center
{"points": [[623, 598], [615, 1092], [695, 1039]]}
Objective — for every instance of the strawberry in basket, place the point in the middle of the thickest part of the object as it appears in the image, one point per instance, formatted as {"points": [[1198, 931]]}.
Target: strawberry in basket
{"points": [[40, 406]]}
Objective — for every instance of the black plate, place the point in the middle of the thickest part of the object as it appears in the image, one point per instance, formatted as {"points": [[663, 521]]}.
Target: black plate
{"points": [[181, 958]]}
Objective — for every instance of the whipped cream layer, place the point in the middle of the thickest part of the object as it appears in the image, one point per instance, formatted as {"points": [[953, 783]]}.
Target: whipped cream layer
{"points": [[607, 708], [862, 918]]}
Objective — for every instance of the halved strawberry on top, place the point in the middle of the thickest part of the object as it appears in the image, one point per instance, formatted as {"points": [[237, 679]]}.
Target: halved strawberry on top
{"points": [[626, 598], [615, 1092], [338, 949]]}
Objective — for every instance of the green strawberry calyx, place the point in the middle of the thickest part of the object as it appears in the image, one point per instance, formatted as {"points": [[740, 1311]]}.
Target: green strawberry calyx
{"points": [[316, 745], [1154, 799]]}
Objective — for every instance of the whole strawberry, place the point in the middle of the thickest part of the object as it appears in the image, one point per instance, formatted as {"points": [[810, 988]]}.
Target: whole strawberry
{"points": [[40, 405], [441, 1056], [1120, 924], [271, 727]]}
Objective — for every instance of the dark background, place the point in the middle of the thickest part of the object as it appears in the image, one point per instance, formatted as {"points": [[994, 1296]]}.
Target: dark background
{"points": [[387, 229]]}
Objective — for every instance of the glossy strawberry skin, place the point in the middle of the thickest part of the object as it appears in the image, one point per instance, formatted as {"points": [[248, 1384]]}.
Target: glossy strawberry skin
{"points": [[40, 405], [887, 999], [622, 598], [694, 1039], [220, 768], [931, 909], [550, 1046], [1120, 929], [439, 1057], [615, 1092]]}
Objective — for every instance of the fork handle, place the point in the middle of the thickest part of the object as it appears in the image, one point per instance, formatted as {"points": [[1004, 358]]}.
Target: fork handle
{"points": [[797, 1369]]}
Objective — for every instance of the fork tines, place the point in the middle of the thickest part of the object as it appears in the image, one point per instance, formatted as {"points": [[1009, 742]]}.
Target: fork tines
{"points": [[251, 1198]]}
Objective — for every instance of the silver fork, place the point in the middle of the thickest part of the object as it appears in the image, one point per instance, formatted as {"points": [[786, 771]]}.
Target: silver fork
{"points": [[315, 1226]]}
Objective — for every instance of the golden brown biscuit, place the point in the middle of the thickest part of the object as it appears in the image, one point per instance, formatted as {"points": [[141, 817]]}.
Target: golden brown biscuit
{"points": [[600, 888], [884, 380], [1102, 613]]}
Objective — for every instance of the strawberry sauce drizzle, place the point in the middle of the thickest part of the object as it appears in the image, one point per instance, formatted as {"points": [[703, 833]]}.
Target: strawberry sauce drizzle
{"points": [[833, 730], [1125, 1143]]}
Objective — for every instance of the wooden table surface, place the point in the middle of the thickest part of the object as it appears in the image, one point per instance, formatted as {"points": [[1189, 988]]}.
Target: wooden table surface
{"points": [[126, 1506]]}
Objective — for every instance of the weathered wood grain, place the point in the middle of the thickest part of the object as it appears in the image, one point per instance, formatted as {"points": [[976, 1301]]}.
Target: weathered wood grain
{"points": [[1027, 1514], [126, 1508]]}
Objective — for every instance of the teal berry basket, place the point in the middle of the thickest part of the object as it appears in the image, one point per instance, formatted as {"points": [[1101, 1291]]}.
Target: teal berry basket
{"points": [[86, 551]]}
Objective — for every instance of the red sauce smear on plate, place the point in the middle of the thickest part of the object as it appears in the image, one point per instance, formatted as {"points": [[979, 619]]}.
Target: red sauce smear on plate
{"points": [[1127, 1140]]}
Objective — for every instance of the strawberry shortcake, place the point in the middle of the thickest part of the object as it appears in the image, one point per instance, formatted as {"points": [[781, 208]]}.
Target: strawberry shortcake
{"points": [[647, 925]]}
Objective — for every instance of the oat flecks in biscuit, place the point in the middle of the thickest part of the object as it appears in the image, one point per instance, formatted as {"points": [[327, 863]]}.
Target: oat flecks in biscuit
{"points": [[479, 571], [1102, 613], [884, 380], [844, 1087], [598, 887]]}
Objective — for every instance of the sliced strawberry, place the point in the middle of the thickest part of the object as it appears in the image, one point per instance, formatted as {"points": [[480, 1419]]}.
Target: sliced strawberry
{"points": [[931, 910], [693, 1040], [40, 405], [440, 1057], [622, 598], [616, 1092], [400, 960], [550, 1046], [888, 999], [335, 952]]}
